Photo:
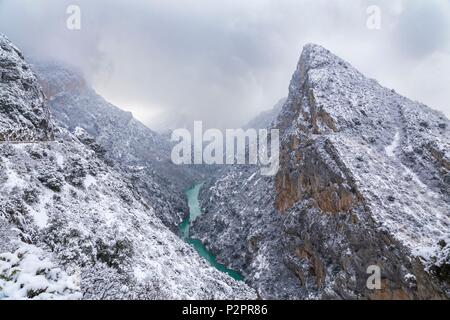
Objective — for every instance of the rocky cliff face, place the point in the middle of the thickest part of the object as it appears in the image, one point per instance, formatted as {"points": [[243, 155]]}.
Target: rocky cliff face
{"points": [[363, 180], [23, 116], [73, 226]]}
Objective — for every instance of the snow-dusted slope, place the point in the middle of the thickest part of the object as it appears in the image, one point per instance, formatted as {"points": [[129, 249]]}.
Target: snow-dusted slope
{"points": [[396, 150], [141, 152], [72, 226], [364, 180], [22, 115]]}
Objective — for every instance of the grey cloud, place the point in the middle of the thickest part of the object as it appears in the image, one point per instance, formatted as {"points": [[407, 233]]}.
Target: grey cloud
{"points": [[424, 28], [222, 62]]}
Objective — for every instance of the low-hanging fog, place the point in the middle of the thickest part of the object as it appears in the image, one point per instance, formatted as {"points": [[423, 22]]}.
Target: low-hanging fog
{"points": [[173, 62]]}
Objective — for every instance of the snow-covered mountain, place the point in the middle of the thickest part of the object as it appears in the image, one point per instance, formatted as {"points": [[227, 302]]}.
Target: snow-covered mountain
{"points": [[364, 180], [72, 223]]}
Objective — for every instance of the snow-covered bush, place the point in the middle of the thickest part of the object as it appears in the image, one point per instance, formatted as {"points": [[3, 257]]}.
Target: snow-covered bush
{"points": [[28, 274]]}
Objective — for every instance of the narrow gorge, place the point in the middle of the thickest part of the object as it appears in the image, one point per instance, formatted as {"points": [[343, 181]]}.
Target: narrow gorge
{"points": [[90, 198]]}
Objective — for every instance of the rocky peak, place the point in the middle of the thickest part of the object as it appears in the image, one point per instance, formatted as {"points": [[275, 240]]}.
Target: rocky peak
{"points": [[23, 114], [330, 100], [314, 57], [353, 148]]}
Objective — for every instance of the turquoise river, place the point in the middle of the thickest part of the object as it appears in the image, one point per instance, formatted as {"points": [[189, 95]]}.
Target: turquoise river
{"points": [[194, 212]]}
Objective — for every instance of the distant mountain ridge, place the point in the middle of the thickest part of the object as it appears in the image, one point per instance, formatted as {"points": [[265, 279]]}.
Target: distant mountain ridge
{"points": [[23, 116], [140, 151], [265, 118]]}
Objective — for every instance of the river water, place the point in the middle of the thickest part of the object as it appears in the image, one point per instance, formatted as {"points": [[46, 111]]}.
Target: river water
{"points": [[194, 212]]}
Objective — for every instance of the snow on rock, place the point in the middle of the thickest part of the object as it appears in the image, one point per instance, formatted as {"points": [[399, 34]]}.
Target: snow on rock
{"points": [[118, 137], [83, 229], [393, 146], [363, 171], [28, 273], [23, 114]]}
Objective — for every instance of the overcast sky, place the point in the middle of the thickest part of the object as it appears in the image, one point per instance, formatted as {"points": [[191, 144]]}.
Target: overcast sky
{"points": [[224, 61]]}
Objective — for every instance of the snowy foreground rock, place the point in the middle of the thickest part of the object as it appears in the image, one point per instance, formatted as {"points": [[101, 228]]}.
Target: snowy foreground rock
{"points": [[72, 224], [364, 181]]}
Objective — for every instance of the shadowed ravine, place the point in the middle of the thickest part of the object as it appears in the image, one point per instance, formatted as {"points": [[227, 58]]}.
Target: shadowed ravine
{"points": [[194, 212]]}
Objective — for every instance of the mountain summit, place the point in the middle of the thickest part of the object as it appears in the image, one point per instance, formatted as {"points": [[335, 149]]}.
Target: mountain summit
{"points": [[364, 181]]}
